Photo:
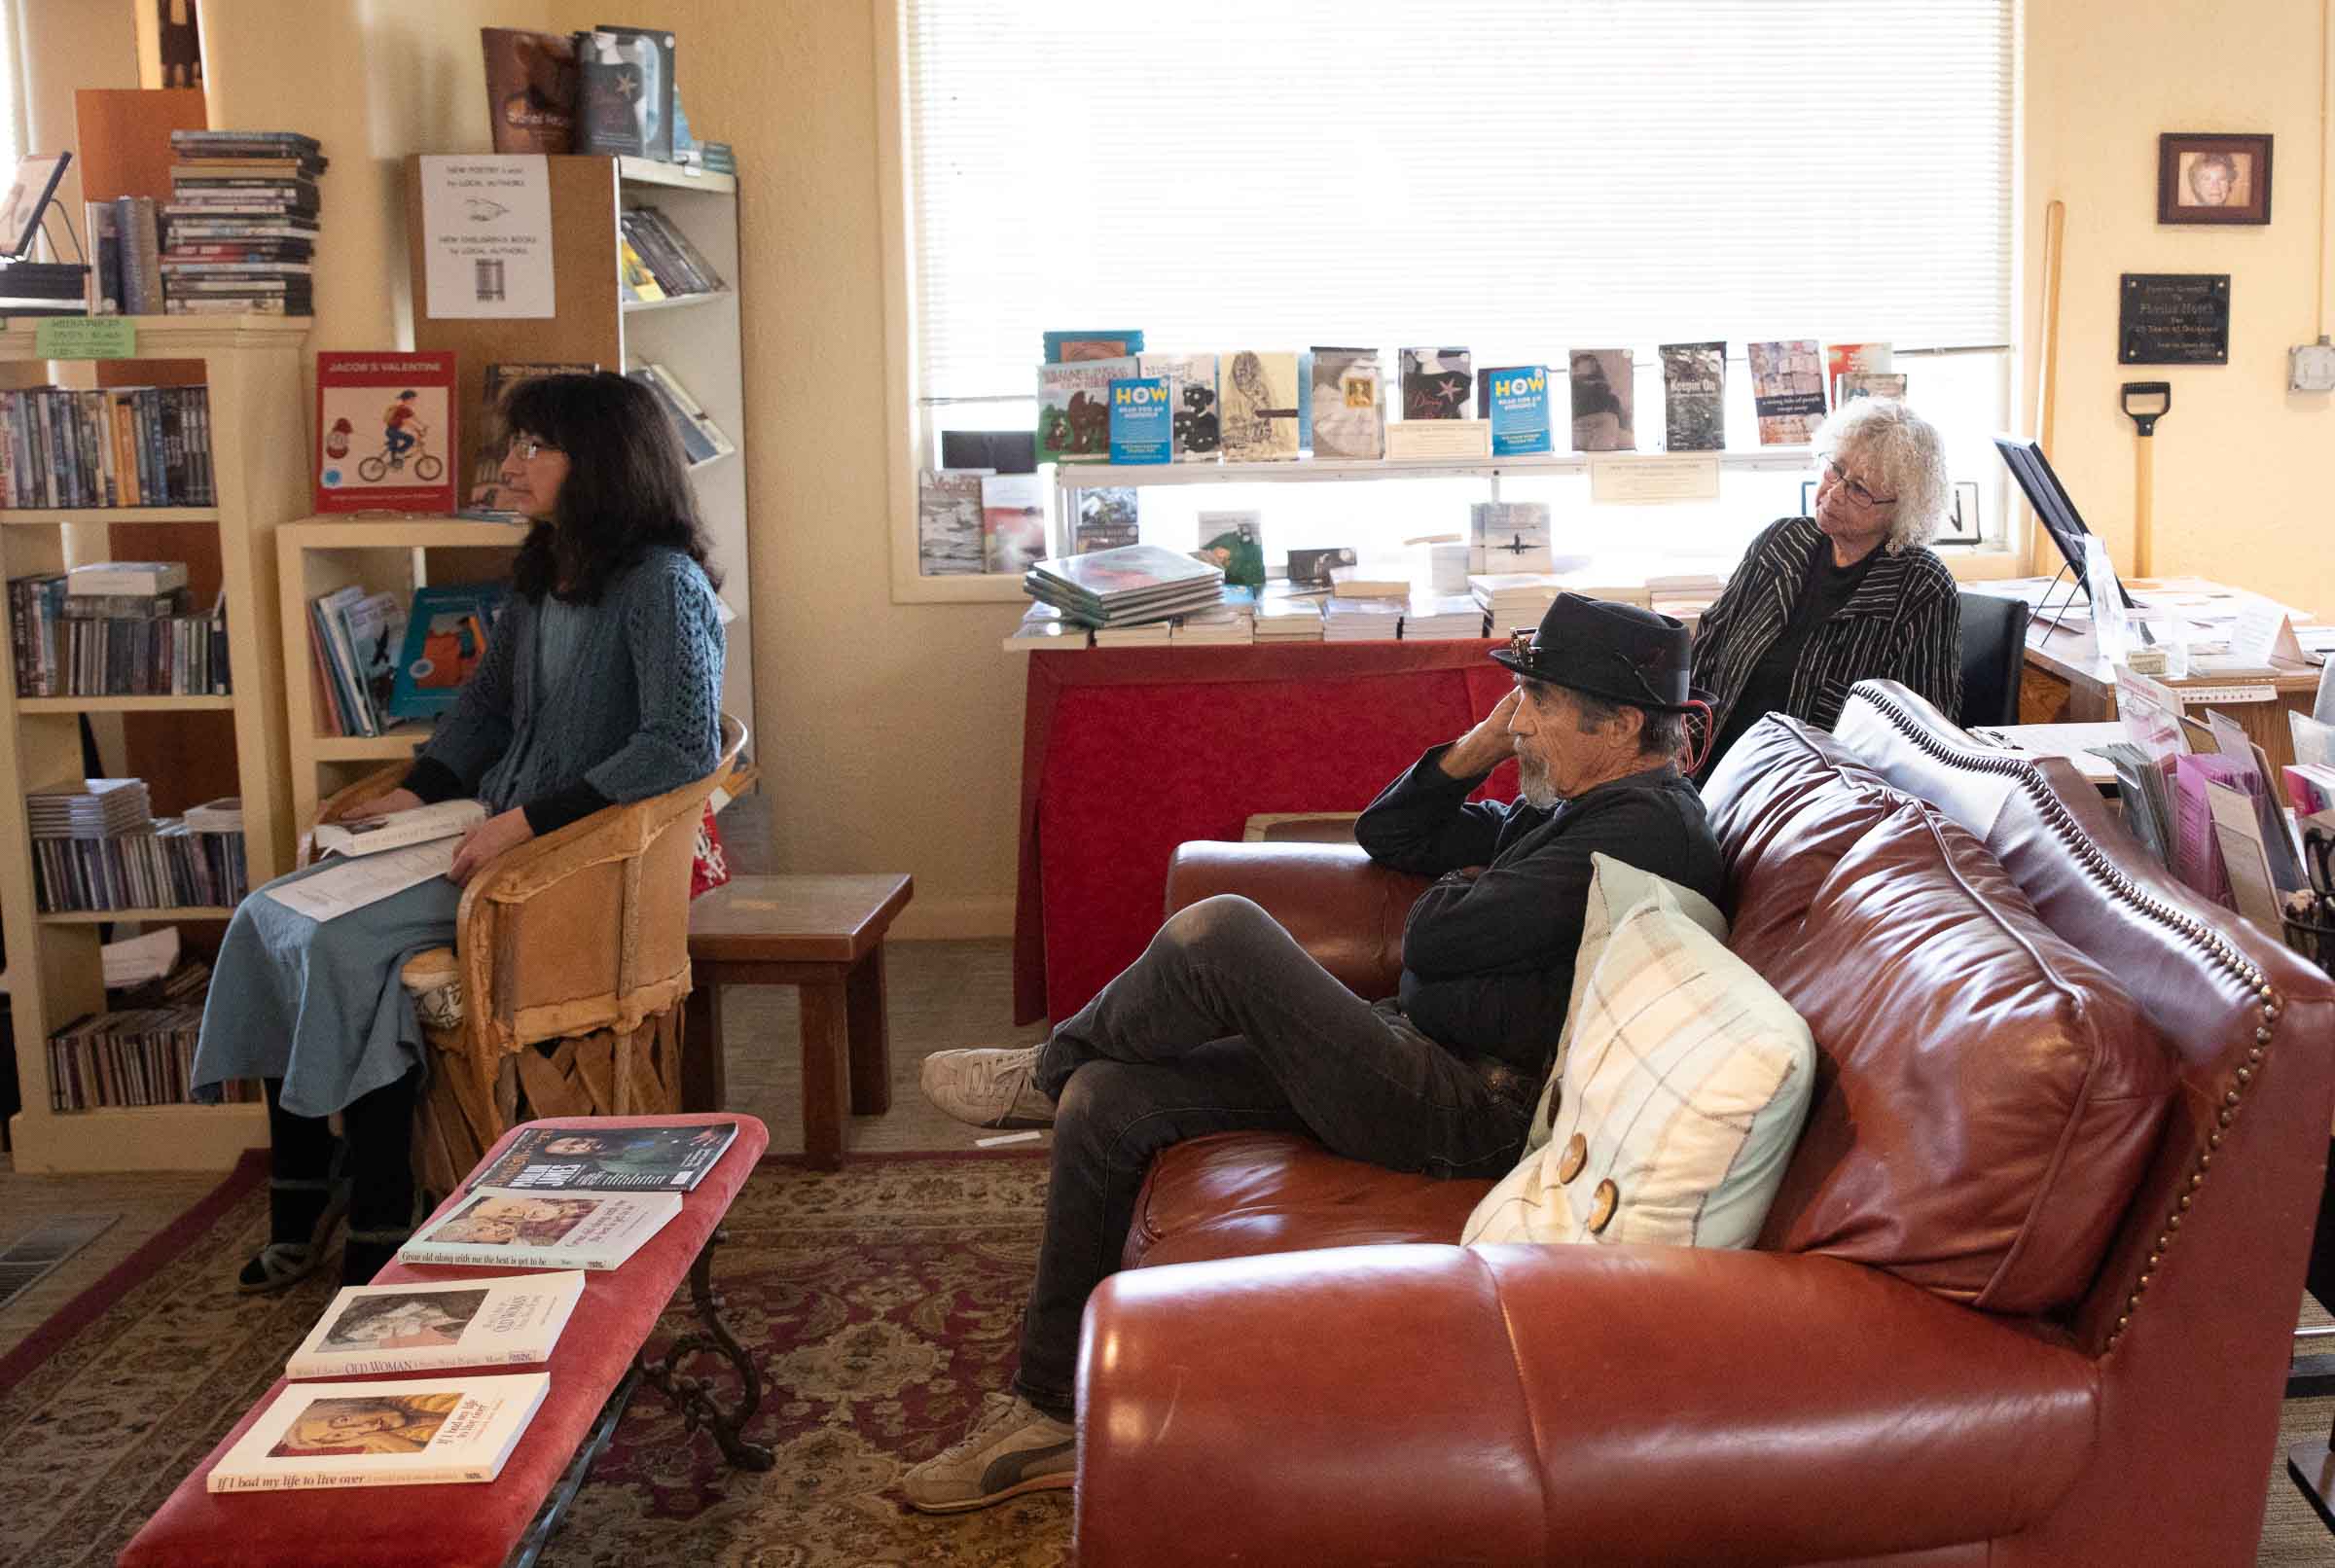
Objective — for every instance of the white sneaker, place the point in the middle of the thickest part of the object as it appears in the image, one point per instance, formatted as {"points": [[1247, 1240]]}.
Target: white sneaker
{"points": [[1014, 1447], [988, 1088]]}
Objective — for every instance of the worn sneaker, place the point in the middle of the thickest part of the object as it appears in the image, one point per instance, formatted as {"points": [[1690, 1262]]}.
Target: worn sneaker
{"points": [[1014, 1447], [988, 1088]]}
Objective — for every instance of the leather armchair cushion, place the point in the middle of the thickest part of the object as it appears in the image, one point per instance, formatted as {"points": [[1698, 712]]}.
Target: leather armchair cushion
{"points": [[1244, 1194], [1987, 1095]]}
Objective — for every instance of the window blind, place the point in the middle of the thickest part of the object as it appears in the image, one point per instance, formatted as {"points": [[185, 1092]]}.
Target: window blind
{"points": [[1516, 176]]}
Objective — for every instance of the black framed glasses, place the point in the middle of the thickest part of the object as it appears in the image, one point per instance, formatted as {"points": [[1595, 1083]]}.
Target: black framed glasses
{"points": [[1856, 487]]}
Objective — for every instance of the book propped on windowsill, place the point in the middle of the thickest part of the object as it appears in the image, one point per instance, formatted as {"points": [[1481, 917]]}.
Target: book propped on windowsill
{"points": [[502, 1228], [398, 830], [408, 1432], [370, 1331]]}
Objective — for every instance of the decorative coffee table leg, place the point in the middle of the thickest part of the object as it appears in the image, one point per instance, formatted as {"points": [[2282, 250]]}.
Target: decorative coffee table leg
{"points": [[695, 1395]]}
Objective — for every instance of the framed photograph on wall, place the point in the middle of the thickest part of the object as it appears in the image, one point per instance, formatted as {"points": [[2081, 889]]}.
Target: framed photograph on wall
{"points": [[2212, 177]]}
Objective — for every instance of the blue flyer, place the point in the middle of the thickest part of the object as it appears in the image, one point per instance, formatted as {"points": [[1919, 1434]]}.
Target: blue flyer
{"points": [[1518, 406], [1142, 425]]}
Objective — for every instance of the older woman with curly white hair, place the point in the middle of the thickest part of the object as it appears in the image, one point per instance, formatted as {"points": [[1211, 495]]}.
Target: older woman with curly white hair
{"points": [[1850, 595]]}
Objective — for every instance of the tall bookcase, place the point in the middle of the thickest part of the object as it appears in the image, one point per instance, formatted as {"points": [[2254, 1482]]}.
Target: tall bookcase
{"points": [[695, 336], [318, 554], [259, 456]]}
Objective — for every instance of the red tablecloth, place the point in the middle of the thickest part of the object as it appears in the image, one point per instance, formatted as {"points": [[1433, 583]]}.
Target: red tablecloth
{"points": [[1128, 752], [467, 1526]]}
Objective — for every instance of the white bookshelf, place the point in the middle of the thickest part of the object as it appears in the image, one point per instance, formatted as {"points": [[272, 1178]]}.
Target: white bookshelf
{"points": [[253, 366]]}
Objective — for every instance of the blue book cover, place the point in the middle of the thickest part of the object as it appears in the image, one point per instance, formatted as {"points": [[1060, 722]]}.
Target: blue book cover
{"points": [[1517, 400], [1142, 425], [446, 638]]}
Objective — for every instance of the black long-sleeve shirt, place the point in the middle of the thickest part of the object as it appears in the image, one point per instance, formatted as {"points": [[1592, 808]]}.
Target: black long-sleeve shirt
{"points": [[1487, 960]]}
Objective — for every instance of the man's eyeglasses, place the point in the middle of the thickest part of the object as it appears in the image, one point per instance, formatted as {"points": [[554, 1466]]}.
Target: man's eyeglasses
{"points": [[1856, 487], [524, 447]]}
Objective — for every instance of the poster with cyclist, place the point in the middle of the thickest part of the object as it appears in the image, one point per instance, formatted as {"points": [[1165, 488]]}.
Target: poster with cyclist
{"points": [[385, 432]]}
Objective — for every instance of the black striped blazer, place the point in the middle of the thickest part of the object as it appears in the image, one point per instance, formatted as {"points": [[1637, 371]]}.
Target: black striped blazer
{"points": [[1903, 623]]}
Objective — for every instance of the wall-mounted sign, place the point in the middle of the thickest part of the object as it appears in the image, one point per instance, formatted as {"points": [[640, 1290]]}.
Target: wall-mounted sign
{"points": [[2173, 318]]}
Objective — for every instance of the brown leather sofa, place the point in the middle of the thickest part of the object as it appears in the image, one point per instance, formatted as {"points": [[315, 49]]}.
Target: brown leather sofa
{"points": [[2026, 1297]]}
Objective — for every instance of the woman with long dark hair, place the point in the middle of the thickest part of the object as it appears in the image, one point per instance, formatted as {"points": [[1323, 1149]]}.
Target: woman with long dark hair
{"points": [[602, 684]]}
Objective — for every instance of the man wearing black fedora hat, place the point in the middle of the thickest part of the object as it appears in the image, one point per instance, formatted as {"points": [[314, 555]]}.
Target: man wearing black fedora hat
{"points": [[1225, 1024]]}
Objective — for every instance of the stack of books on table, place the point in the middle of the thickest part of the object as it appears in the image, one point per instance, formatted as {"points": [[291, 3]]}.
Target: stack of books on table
{"points": [[97, 846], [1344, 620], [1044, 626], [1685, 595], [1135, 635], [1130, 584], [115, 628], [241, 222], [1441, 617], [1225, 626], [1513, 600], [1286, 620]]}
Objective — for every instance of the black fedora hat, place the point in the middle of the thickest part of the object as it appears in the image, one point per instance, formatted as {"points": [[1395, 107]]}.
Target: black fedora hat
{"points": [[1618, 652]]}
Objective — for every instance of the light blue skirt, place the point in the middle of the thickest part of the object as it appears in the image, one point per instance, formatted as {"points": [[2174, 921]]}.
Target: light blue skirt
{"points": [[316, 1005]]}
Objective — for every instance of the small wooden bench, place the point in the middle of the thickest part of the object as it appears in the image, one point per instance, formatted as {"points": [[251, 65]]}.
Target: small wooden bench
{"points": [[594, 1368], [825, 936]]}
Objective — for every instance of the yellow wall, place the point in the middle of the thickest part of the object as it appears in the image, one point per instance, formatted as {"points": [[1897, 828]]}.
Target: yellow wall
{"points": [[2243, 466], [891, 732]]}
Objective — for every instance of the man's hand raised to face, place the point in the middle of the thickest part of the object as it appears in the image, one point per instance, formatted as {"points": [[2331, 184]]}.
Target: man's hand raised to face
{"points": [[1486, 746]]}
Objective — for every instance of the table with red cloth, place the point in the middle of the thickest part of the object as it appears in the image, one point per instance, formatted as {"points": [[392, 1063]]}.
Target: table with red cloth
{"points": [[1128, 752], [471, 1525]]}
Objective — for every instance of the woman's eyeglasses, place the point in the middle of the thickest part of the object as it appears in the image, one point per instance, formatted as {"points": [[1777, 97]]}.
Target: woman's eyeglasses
{"points": [[524, 447], [1856, 487]]}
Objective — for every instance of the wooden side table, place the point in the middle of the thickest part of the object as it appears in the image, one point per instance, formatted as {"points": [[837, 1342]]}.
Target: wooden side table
{"points": [[823, 935]]}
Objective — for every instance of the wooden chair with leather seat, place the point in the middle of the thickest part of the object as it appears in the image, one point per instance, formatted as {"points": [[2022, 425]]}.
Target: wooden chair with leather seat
{"points": [[562, 993], [1993, 653]]}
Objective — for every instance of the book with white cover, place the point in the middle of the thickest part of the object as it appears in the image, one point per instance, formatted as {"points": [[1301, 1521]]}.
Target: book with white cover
{"points": [[395, 830], [405, 1432], [143, 578], [499, 1227], [439, 1325]]}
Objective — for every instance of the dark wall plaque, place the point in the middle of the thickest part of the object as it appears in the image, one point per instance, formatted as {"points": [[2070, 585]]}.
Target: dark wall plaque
{"points": [[2174, 318]]}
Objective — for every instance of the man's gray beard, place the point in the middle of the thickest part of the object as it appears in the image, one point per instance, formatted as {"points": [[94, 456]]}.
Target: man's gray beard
{"points": [[1532, 783]]}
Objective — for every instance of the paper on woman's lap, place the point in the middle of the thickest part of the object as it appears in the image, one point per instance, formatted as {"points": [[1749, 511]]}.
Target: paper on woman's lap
{"points": [[354, 883]]}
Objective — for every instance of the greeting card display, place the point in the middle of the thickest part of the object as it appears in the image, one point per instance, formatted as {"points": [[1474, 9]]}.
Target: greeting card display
{"points": [[385, 432]]}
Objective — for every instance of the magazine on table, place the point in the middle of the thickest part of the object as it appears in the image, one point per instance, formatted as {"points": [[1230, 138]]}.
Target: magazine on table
{"points": [[370, 1331], [600, 1157], [504, 1227], [407, 1431]]}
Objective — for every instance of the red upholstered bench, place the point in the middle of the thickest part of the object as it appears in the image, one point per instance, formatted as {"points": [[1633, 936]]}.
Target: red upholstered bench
{"points": [[593, 1369]]}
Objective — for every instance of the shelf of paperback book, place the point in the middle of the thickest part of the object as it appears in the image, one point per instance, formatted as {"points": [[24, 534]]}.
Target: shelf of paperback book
{"points": [[676, 302], [23, 516], [673, 176], [208, 703], [1098, 475]]}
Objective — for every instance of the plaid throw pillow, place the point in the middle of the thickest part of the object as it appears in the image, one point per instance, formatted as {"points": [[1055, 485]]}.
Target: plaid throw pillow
{"points": [[1679, 1096]]}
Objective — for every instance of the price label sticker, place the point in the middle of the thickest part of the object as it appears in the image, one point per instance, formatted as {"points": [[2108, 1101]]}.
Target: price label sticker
{"points": [[84, 337]]}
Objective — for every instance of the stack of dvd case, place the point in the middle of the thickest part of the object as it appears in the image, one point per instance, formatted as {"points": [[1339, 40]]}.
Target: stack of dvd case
{"points": [[242, 223], [1125, 587]]}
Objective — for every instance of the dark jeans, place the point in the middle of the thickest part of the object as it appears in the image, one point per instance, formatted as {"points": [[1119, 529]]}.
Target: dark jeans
{"points": [[1226, 1024]]}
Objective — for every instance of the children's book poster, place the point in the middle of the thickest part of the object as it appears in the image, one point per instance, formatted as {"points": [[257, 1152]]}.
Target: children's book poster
{"points": [[385, 432]]}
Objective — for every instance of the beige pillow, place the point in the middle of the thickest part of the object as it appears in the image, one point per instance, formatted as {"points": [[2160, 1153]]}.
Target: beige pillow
{"points": [[1680, 1088]]}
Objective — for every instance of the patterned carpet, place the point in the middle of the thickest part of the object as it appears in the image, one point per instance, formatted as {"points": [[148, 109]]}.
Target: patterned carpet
{"points": [[884, 1299]]}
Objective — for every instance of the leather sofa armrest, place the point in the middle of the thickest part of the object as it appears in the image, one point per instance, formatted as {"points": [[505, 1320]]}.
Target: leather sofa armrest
{"points": [[1609, 1405], [1342, 907]]}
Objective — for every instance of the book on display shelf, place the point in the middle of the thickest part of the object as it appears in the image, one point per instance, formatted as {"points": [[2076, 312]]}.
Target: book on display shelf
{"points": [[531, 83], [1234, 543], [1071, 347], [1604, 397], [492, 1227], [1257, 406], [446, 636], [1855, 384], [1788, 390], [385, 430], [1349, 412], [1140, 424], [358, 637], [1074, 408], [1515, 399], [1192, 399], [439, 1325], [948, 517], [502, 378], [1312, 568], [1509, 536], [1013, 522], [1436, 382], [701, 440], [1855, 359], [1109, 517], [625, 93], [409, 1432]]}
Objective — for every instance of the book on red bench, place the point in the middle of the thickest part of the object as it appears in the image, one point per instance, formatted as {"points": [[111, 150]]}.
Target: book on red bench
{"points": [[408, 1432], [591, 1156], [438, 1326], [500, 1228]]}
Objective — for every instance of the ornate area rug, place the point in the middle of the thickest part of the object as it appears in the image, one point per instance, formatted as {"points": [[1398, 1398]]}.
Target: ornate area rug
{"points": [[883, 1301]]}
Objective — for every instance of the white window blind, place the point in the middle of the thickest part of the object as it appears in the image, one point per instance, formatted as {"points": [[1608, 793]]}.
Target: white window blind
{"points": [[1517, 176]]}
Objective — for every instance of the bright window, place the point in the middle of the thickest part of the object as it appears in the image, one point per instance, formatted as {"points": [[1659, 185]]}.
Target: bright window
{"points": [[1515, 176]]}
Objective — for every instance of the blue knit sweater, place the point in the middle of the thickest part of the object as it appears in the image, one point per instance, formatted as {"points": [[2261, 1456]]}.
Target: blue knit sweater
{"points": [[634, 711]]}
